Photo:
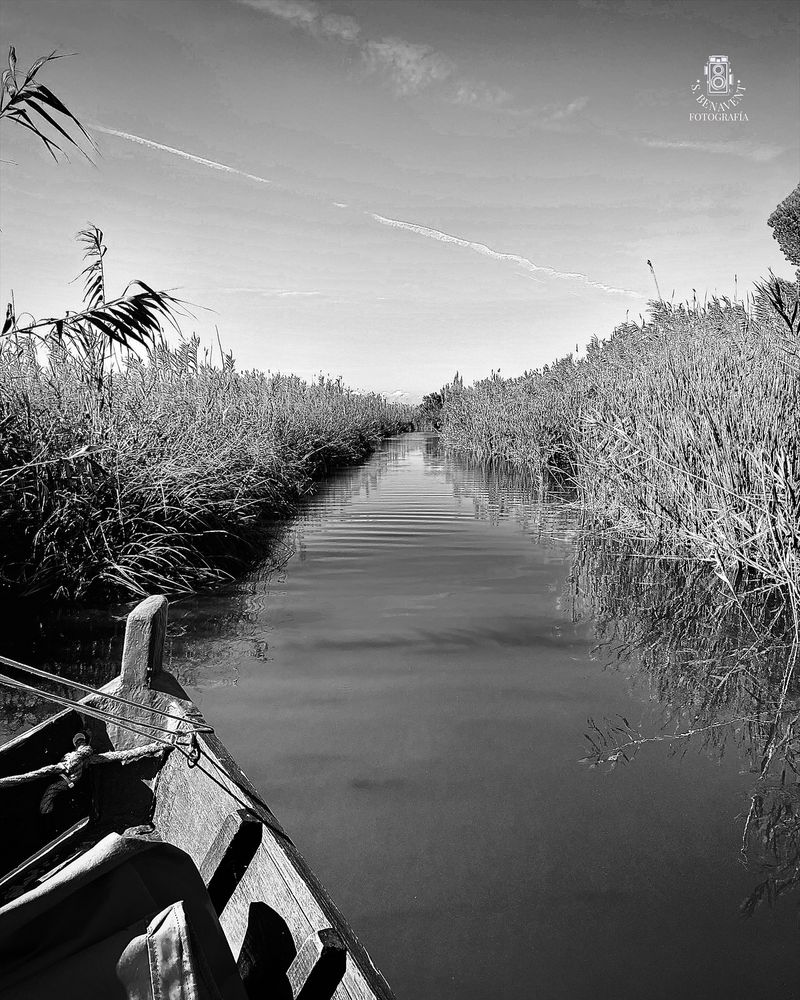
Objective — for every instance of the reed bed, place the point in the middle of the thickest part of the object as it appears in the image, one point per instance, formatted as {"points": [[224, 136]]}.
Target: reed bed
{"points": [[684, 430], [162, 473]]}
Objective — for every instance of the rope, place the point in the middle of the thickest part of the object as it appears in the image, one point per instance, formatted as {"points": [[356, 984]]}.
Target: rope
{"points": [[103, 716], [67, 682], [72, 766]]}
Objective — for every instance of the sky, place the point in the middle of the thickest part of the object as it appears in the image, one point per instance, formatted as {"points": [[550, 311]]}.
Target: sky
{"points": [[396, 190]]}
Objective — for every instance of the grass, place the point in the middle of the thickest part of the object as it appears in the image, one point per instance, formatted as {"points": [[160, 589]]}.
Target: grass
{"points": [[161, 474], [683, 430]]}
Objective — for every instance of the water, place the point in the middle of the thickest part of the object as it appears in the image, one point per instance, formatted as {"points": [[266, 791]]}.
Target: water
{"points": [[411, 694]]}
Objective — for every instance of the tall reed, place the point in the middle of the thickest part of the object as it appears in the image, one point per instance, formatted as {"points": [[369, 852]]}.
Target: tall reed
{"points": [[160, 478], [684, 429]]}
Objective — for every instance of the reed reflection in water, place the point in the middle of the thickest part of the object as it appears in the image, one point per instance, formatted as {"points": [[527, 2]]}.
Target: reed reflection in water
{"points": [[410, 693], [721, 667]]}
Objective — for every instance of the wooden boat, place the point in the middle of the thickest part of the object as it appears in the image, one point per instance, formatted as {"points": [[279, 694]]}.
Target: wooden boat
{"points": [[284, 936]]}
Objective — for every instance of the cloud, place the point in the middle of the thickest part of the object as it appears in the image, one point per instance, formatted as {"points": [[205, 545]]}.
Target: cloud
{"points": [[213, 164], [409, 66], [748, 149], [340, 26], [481, 248], [309, 16], [548, 115], [554, 113], [482, 95]]}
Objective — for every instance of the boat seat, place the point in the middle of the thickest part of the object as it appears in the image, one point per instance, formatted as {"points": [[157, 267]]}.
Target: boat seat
{"points": [[128, 917]]}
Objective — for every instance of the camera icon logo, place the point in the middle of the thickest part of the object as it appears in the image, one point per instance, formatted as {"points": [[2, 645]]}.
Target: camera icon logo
{"points": [[719, 76]]}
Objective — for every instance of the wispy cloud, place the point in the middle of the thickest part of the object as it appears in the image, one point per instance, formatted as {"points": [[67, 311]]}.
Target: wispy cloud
{"points": [[213, 164], [748, 149], [481, 95], [556, 113], [554, 116], [409, 66], [310, 17], [524, 262]]}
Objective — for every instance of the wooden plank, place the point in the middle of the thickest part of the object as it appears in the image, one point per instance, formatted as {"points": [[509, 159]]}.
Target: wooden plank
{"points": [[318, 967], [310, 901], [230, 853], [266, 953], [271, 877], [143, 652]]}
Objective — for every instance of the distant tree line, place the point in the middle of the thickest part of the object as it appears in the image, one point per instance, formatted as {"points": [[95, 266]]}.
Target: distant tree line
{"points": [[429, 413]]}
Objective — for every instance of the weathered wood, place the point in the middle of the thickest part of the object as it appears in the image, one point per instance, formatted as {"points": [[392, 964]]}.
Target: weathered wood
{"points": [[318, 967], [266, 953], [190, 808], [230, 853], [143, 652], [278, 874]]}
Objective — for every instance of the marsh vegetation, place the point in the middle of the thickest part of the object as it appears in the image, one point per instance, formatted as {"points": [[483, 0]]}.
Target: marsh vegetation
{"points": [[130, 464], [161, 473], [683, 429]]}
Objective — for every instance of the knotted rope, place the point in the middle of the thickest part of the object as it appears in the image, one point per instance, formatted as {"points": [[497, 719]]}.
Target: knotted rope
{"points": [[73, 765]]}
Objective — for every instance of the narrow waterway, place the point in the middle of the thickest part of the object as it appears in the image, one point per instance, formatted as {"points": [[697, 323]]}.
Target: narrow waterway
{"points": [[411, 691]]}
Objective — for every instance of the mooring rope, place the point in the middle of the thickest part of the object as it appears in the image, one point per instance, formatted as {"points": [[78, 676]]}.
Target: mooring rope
{"points": [[108, 717], [72, 766], [67, 682]]}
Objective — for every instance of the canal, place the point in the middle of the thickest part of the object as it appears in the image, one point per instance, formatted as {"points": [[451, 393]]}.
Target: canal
{"points": [[410, 690]]}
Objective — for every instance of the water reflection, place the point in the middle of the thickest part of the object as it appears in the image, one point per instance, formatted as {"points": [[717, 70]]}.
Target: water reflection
{"points": [[713, 669], [209, 633], [720, 668]]}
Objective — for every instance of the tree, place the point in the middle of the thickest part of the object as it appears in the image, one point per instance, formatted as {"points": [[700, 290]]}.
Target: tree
{"points": [[785, 221], [429, 414]]}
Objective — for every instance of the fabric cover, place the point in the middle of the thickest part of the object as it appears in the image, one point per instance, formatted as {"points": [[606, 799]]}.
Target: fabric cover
{"points": [[130, 919]]}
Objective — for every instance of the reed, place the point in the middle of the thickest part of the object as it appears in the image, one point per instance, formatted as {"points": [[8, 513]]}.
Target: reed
{"points": [[684, 429], [129, 473], [162, 475]]}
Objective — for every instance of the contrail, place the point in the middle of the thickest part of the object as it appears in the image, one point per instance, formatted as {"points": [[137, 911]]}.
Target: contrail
{"points": [[524, 262], [433, 234], [180, 152]]}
